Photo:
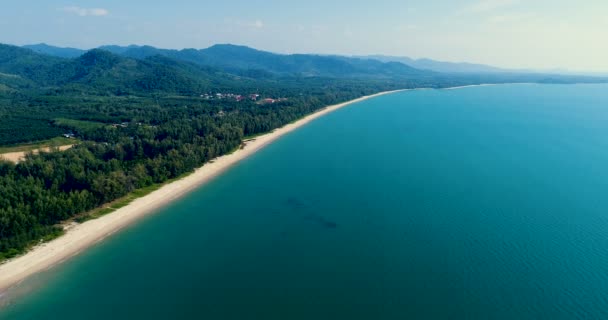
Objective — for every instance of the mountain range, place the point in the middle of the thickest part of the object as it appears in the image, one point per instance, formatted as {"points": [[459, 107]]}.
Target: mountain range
{"points": [[441, 66], [236, 59], [246, 58], [104, 71], [118, 70]]}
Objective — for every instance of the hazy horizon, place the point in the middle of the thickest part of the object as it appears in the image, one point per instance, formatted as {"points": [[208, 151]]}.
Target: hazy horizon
{"points": [[514, 34]]}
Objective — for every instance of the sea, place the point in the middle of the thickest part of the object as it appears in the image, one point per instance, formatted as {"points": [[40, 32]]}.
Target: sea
{"points": [[485, 202]]}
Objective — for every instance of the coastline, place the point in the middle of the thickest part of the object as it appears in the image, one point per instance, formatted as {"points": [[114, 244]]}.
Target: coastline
{"points": [[86, 234], [472, 85]]}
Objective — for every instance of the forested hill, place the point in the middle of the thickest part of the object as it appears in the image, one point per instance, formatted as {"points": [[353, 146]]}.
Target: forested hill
{"points": [[100, 71], [236, 59]]}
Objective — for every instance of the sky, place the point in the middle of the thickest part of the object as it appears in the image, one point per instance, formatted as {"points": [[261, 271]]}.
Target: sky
{"points": [[531, 34]]}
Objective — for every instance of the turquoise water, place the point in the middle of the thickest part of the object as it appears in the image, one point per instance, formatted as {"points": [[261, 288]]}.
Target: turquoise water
{"points": [[479, 203]]}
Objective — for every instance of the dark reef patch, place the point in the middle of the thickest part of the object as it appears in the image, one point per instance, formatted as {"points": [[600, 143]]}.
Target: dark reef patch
{"points": [[321, 221], [295, 203]]}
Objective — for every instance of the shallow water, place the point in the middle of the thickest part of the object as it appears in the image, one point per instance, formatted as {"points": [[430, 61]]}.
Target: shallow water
{"points": [[478, 203]]}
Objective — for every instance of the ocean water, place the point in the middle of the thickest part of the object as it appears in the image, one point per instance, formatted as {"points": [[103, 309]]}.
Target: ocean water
{"points": [[478, 203]]}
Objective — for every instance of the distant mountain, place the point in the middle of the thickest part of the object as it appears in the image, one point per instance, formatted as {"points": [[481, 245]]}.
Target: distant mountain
{"points": [[55, 51], [240, 59], [248, 62], [236, 59], [133, 51], [143, 70], [441, 66], [570, 72]]}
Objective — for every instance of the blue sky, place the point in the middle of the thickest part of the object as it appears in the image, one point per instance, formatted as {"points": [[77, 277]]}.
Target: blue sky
{"points": [[509, 33]]}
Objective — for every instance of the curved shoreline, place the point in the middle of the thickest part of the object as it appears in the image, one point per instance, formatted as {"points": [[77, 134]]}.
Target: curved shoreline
{"points": [[86, 234]]}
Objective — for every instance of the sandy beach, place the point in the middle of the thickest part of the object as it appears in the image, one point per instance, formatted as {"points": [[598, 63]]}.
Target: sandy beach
{"points": [[469, 86], [81, 236]]}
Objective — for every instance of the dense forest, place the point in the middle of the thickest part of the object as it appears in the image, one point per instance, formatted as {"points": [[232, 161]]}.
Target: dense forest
{"points": [[139, 121]]}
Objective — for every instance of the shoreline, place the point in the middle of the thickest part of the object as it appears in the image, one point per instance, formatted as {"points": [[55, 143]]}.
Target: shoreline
{"points": [[475, 85], [84, 235]]}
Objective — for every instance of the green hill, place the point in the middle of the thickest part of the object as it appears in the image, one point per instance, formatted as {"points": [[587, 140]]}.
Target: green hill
{"points": [[237, 59], [100, 71]]}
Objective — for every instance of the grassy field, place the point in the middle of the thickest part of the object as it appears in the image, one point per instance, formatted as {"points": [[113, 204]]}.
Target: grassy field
{"points": [[55, 142]]}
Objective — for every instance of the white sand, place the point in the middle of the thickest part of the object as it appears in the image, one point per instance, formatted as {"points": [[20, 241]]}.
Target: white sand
{"points": [[19, 156], [81, 236]]}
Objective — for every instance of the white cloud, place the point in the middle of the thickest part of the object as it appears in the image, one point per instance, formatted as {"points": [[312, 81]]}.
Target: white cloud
{"points": [[84, 12], [487, 6], [258, 24]]}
